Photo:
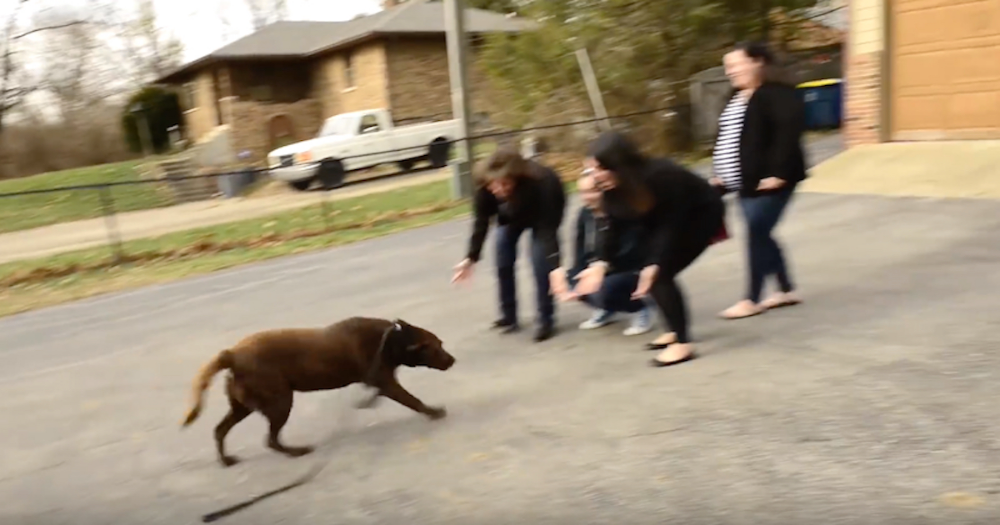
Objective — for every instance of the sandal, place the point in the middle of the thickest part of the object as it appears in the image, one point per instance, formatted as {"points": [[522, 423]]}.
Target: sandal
{"points": [[780, 301], [742, 310]]}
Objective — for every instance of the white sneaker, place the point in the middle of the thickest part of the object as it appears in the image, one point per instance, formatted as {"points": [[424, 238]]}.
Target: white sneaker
{"points": [[599, 319], [641, 323]]}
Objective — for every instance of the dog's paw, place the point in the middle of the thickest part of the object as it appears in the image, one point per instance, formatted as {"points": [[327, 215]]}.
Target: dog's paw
{"points": [[297, 452], [436, 413], [228, 461]]}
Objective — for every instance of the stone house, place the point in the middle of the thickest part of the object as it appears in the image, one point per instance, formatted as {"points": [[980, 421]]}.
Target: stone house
{"points": [[922, 70], [279, 84]]}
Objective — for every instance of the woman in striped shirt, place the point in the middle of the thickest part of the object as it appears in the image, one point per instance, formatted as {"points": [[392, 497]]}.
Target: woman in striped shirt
{"points": [[758, 154]]}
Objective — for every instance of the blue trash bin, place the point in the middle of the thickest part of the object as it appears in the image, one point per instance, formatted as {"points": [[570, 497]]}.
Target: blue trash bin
{"points": [[823, 103], [233, 184]]}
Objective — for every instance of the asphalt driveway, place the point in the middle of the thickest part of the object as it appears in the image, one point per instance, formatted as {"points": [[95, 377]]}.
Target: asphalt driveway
{"points": [[874, 402]]}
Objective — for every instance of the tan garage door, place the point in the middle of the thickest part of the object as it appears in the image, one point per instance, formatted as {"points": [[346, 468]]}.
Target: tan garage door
{"points": [[945, 69]]}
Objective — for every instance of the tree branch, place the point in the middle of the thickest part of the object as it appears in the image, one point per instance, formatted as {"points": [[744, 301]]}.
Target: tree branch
{"points": [[48, 28]]}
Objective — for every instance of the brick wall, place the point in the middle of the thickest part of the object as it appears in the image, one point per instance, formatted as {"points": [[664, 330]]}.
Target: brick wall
{"points": [[863, 66], [201, 118], [251, 129], [419, 84], [419, 80], [331, 87]]}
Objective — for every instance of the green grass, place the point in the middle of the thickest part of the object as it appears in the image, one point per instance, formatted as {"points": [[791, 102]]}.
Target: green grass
{"points": [[250, 240], [31, 284], [21, 212]]}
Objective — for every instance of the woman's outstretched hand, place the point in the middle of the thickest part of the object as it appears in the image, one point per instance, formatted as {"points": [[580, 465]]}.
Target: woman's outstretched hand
{"points": [[559, 284], [590, 280], [463, 271], [646, 279]]}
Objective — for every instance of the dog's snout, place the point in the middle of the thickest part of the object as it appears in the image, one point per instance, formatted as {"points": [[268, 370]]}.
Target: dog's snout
{"points": [[449, 361]]}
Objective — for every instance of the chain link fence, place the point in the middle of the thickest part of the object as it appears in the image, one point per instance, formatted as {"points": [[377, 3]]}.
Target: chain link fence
{"points": [[181, 215]]}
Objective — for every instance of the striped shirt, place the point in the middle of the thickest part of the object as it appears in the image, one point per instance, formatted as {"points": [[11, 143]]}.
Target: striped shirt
{"points": [[726, 156]]}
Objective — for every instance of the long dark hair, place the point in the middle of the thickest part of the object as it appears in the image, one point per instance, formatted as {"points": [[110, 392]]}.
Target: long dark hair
{"points": [[773, 72], [617, 153]]}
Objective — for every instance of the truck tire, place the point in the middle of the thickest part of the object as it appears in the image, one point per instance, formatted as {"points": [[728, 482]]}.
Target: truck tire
{"points": [[439, 153], [331, 174], [301, 185]]}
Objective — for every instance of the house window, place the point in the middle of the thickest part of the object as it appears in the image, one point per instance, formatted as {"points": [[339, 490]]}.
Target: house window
{"points": [[349, 70], [261, 93]]}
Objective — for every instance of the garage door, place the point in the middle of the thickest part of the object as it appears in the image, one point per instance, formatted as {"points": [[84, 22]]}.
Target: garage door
{"points": [[945, 69]]}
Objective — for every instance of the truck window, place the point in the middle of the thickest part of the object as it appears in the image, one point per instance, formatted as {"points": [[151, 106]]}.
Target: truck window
{"points": [[369, 124], [339, 125]]}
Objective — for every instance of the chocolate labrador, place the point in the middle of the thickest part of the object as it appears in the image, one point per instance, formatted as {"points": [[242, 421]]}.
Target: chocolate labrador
{"points": [[266, 368]]}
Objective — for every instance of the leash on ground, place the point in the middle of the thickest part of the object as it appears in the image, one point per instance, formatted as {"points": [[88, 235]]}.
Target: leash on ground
{"points": [[322, 462]]}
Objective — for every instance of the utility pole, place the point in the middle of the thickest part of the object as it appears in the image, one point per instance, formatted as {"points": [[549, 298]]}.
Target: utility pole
{"points": [[590, 81], [454, 23]]}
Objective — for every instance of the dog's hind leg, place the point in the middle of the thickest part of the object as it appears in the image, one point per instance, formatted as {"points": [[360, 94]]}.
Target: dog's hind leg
{"points": [[237, 412], [276, 411], [395, 391]]}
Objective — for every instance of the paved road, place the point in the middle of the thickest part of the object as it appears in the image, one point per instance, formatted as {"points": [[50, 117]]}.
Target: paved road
{"points": [[875, 402]]}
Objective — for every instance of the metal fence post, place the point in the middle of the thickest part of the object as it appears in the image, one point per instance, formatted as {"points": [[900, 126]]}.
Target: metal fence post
{"points": [[111, 223]]}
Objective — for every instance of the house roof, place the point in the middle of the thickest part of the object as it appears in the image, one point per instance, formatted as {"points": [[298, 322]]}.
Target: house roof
{"points": [[299, 39]]}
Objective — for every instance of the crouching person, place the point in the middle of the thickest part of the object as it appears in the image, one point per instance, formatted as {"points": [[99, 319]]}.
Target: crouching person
{"points": [[593, 229]]}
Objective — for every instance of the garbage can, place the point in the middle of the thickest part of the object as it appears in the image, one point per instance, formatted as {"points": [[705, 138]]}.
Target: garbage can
{"points": [[232, 184], [823, 103]]}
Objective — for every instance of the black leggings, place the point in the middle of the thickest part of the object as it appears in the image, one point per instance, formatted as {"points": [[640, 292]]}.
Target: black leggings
{"points": [[688, 245]]}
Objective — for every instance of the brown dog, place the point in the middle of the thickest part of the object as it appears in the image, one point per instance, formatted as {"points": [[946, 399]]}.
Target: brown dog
{"points": [[267, 367]]}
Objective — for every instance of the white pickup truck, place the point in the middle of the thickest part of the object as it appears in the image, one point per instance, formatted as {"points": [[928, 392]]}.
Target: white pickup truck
{"points": [[359, 140]]}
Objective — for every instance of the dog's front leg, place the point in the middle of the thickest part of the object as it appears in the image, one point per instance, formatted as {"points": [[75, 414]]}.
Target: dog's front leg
{"points": [[394, 391]]}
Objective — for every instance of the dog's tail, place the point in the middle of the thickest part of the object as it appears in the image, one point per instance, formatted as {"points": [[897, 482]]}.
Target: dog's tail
{"points": [[223, 361]]}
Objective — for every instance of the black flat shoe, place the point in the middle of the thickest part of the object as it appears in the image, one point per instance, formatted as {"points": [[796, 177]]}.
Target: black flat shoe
{"points": [[662, 364], [505, 326], [543, 333], [657, 346]]}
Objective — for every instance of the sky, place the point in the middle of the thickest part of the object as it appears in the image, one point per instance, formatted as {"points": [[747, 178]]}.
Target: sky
{"points": [[197, 23]]}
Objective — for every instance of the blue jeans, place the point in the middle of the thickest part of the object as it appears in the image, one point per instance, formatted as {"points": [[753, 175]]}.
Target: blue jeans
{"points": [[615, 294], [765, 257], [506, 246]]}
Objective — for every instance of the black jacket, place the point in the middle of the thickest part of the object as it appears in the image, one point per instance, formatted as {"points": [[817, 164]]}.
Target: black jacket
{"points": [[623, 240], [538, 203], [680, 196], [771, 140]]}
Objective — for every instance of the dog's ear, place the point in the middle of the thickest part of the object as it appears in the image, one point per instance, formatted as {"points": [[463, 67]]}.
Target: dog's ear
{"points": [[406, 339], [408, 336], [405, 345]]}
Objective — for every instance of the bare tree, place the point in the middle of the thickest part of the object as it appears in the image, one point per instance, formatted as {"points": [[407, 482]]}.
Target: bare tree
{"points": [[73, 74], [15, 86], [149, 51]]}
